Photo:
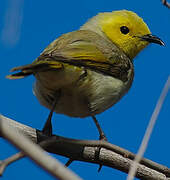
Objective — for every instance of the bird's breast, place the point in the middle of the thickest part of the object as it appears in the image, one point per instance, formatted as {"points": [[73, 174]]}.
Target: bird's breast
{"points": [[82, 92]]}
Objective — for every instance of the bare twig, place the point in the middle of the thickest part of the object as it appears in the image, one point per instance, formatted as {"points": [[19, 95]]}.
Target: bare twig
{"points": [[167, 4], [149, 130], [84, 150], [36, 153], [8, 161]]}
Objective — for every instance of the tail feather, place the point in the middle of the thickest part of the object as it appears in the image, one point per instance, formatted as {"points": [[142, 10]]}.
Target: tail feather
{"points": [[18, 75], [33, 68]]}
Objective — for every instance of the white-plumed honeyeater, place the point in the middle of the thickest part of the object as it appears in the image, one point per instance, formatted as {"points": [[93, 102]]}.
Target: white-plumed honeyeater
{"points": [[84, 72]]}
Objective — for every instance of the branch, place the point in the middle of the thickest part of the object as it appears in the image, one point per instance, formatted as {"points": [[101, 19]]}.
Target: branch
{"points": [[33, 151], [8, 161], [83, 150], [167, 4]]}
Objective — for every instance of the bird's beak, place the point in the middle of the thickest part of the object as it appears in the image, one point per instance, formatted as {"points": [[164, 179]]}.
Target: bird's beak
{"points": [[152, 39]]}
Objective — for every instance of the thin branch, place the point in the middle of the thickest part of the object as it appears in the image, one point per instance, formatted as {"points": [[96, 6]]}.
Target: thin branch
{"points": [[167, 4], [83, 150], [34, 152], [149, 130], [8, 161]]}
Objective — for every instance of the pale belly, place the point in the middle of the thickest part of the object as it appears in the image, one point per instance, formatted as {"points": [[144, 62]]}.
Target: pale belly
{"points": [[79, 97]]}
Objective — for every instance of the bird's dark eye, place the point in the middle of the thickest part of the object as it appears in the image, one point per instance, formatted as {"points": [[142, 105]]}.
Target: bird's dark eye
{"points": [[124, 29]]}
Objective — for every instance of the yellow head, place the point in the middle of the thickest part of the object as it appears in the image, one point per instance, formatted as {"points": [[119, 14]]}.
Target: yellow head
{"points": [[125, 29]]}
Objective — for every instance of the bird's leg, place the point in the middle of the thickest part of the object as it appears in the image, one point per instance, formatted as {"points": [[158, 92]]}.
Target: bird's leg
{"points": [[101, 133], [47, 129], [102, 137]]}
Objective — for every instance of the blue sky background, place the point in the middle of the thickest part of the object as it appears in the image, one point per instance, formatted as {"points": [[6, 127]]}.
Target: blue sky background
{"points": [[125, 123]]}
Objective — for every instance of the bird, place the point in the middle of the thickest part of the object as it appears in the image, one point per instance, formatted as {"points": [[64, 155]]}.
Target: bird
{"points": [[85, 72]]}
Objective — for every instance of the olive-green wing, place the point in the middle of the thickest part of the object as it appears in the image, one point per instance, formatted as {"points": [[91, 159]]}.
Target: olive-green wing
{"points": [[89, 50]]}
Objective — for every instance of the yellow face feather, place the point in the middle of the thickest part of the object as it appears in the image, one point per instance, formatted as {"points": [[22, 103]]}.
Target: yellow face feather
{"points": [[111, 24]]}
